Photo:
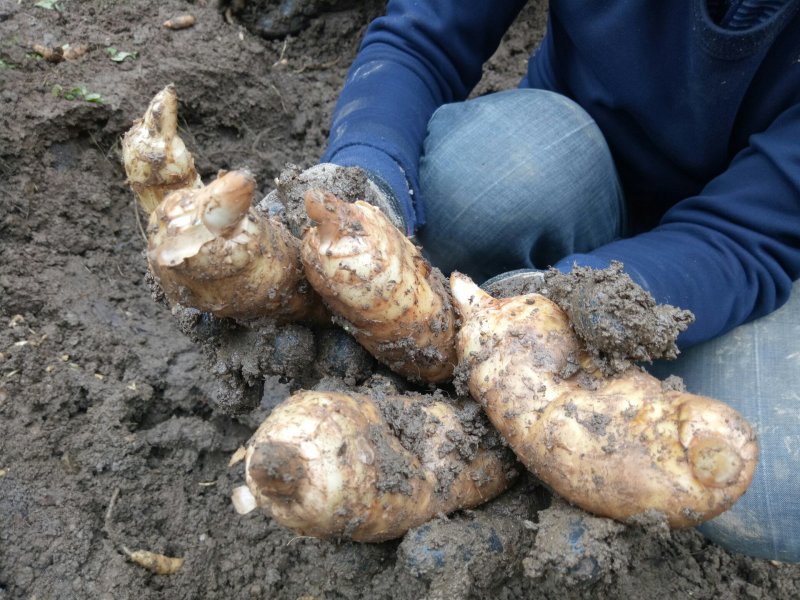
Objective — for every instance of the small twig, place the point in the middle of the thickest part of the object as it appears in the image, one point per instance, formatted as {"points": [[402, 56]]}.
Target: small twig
{"points": [[254, 147], [102, 152], [301, 537], [280, 97], [135, 205], [281, 60], [188, 135], [107, 527], [318, 66]]}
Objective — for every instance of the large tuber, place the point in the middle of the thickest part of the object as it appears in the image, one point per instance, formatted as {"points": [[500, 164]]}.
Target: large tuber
{"points": [[618, 447], [212, 251], [332, 465], [378, 283]]}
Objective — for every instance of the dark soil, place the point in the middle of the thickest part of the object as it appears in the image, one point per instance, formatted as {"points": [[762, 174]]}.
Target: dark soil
{"points": [[102, 394]]}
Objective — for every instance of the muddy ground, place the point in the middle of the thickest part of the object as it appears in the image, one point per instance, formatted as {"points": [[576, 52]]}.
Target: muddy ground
{"points": [[101, 395]]}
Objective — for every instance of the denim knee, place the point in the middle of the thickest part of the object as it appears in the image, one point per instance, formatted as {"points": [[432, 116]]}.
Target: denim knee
{"points": [[515, 179], [756, 369]]}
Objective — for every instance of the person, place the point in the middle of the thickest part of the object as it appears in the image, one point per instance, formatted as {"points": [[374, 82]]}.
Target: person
{"points": [[662, 135], [277, 19]]}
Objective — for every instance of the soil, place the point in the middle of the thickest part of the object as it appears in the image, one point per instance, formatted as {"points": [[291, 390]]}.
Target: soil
{"points": [[103, 396]]}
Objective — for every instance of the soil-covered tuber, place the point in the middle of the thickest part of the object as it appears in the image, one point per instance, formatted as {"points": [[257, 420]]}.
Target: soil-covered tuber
{"points": [[616, 446], [334, 465], [212, 251], [382, 289], [156, 159]]}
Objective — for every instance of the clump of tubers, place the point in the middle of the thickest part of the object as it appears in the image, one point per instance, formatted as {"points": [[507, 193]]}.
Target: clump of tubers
{"points": [[381, 288], [334, 465], [211, 251], [156, 159], [618, 446]]}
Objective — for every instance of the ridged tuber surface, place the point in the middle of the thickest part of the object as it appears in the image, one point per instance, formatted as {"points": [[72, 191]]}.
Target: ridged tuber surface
{"points": [[378, 283], [332, 465], [619, 446], [156, 159], [212, 251]]}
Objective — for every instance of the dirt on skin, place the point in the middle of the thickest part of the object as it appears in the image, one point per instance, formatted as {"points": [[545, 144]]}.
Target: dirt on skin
{"points": [[102, 393]]}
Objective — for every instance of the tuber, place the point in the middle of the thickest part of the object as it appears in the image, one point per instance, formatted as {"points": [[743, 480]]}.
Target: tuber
{"points": [[156, 159], [208, 247], [333, 465], [385, 293], [210, 250], [616, 446], [180, 22]]}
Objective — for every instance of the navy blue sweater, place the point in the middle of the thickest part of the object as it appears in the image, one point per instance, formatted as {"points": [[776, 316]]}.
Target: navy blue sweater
{"points": [[703, 121]]}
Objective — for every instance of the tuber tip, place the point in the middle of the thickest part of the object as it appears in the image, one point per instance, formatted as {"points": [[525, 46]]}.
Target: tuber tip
{"points": [[467, 296], [331, 215], [162, 113], [714, 461], [226, 200], [320, 205]]}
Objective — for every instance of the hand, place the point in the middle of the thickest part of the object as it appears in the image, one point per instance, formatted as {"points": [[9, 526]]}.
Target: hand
{"points": [[514, 283], [347, 183]]}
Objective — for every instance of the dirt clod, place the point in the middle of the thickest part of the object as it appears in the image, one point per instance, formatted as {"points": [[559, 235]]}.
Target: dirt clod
{"points": [[617, 319]]}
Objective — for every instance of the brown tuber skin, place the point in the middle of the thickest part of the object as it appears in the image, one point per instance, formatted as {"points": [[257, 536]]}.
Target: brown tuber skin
{"points": [[210, 250], [618, 447], [328, 465], [376, 280]]}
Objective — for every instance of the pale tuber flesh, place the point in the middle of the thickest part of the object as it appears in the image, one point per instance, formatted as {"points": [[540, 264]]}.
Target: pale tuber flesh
{"points": [[619, 446], [156, 159], [210, 250], [379, 285], [332, 465]]}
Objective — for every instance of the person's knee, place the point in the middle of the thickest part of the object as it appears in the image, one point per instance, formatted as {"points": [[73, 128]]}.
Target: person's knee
{"points": [[753, 368], [515, 128], [509, 173], [755, 533], [520, 107]]}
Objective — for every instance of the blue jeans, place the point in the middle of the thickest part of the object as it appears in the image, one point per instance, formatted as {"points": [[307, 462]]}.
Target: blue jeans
{"points": [[522, 178]]}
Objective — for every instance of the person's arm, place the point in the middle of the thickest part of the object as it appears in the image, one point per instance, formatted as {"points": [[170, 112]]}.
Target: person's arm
{"points": [[729, 254], [420, 55]]}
